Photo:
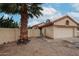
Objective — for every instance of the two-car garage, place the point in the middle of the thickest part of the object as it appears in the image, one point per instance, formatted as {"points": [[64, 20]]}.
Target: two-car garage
{"points": [[63, 32]]}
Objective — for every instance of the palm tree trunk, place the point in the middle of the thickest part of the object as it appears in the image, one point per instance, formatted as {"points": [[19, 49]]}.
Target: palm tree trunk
{"points": [[24, 27]]}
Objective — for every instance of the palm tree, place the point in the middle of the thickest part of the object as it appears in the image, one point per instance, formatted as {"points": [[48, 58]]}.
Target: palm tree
{"points": [[25, 10], [8, 23]]}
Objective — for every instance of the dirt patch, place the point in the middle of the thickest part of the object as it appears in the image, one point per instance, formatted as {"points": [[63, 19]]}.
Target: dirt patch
{"points": [[38, 47]]}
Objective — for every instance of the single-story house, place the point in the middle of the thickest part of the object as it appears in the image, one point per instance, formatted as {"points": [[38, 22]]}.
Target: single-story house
{"points": [[64, 27]]}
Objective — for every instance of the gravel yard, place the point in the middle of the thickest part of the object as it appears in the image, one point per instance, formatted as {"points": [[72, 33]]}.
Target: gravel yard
{"points": [[39, 47]]}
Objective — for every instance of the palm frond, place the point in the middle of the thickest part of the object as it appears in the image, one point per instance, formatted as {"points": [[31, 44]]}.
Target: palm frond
{"points": [[33, 9], [8, 8]]}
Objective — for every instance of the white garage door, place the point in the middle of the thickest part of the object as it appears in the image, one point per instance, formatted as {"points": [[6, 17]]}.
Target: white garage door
{"points": [[63, 32]]}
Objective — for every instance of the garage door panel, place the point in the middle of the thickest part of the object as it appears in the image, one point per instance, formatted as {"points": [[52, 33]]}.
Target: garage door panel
{"points": [[63, 32]]}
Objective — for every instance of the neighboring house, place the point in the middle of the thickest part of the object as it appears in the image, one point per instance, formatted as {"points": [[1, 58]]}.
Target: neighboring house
{"points": [[64, 27]]}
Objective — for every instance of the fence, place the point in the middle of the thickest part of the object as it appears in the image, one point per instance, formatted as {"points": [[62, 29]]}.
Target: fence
{"points": [[12, 34], [33, 33]]}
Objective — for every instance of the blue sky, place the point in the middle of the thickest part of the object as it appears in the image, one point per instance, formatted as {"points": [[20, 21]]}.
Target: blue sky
{"points": [[52, 11]]}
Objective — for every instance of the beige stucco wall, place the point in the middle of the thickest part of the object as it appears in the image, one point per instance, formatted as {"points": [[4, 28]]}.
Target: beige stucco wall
{"points": [[8, 35], [12, 34], [58, 32], [33, 32], [63, 22], [61, 32], [49, 31]]}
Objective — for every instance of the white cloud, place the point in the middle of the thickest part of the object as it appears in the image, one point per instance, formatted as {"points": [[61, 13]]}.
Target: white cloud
{"points": [[55, 16], [51, 13], [76, 6], [48, 11]]}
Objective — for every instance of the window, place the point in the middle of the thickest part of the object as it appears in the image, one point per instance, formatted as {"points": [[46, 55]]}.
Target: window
{"points": [[67, 22]]}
